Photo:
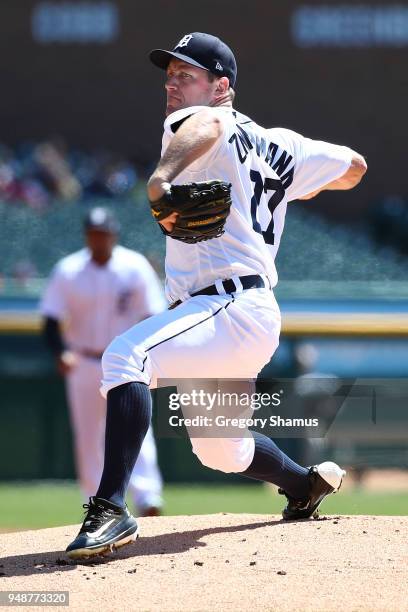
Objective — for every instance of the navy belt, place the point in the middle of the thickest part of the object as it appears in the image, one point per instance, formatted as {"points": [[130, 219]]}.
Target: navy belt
{"points": [[252, 281]]}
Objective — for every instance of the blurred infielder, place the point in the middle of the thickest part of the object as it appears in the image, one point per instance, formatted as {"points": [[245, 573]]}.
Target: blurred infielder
{"points": [[222, 239], [94, 295]]}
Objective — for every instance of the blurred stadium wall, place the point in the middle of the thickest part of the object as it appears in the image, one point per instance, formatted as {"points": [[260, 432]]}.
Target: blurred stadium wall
{"points": [[334, 71]]}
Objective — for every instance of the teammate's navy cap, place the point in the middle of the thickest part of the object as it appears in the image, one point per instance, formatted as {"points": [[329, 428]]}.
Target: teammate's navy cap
{"points": [[101, 219], [201, 50]]}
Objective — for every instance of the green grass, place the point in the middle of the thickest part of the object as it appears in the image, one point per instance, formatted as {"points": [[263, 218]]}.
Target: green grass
{"points": [[36, 505], [264, 500]]}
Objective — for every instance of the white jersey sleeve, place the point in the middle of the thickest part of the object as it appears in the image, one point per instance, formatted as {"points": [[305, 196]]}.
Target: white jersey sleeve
{"points": [[317, 163], [172, 124], [149, 298], [53, 303]]}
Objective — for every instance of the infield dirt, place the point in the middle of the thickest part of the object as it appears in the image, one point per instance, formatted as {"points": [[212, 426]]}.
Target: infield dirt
{"points": [[224, 562]]}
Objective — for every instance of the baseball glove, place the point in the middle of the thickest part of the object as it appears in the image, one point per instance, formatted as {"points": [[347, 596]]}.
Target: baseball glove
{"points": [[202, 210]]}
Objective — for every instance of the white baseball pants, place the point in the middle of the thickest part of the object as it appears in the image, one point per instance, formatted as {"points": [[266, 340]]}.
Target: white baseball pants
{"points": [[209, 337]]}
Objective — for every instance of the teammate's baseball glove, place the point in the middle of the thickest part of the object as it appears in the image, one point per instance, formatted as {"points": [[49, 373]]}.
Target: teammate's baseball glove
{"points": [[202, 210]]}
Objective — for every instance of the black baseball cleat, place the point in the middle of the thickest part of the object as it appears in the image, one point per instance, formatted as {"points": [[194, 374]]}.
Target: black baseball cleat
{"points": [[106, 526], [324, 479]]}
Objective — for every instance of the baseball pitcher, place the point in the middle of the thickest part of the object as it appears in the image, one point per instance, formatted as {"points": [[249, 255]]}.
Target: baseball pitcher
{"points": [[219, 193]]}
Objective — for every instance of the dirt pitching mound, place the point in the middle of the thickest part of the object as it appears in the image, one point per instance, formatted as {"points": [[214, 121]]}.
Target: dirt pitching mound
{"points": [[224, 562]]}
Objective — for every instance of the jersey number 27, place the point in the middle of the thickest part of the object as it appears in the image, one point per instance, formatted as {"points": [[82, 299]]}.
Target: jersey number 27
{"points": [[262, 186]]}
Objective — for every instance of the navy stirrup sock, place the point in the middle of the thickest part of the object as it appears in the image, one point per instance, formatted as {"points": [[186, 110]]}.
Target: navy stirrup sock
{"points": [[272, 465], [128, 416]]}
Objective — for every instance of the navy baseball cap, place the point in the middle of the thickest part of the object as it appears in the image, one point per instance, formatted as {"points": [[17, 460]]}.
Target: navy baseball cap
{"points": [[201, 50], [102, 220]]}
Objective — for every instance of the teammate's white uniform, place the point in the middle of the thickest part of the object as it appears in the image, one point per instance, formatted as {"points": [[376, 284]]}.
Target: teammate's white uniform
{"points": [[97, 303], [227, 335]]}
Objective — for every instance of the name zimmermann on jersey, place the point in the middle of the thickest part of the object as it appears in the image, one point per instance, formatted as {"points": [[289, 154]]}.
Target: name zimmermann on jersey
{"points": [[277, 158]]}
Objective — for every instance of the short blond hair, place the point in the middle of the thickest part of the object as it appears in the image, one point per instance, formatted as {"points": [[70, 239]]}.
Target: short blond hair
{"points": [[212, 77]]}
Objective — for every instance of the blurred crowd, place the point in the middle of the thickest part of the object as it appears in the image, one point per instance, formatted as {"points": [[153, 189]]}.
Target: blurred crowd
{"points": [[389, 222], [36, 174], [39, 173]]}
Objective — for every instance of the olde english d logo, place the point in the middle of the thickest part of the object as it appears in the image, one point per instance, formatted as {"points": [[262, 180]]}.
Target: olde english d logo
{"points": [[184, 41]]}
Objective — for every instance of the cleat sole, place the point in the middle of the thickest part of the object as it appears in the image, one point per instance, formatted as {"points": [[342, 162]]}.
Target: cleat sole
{"points": [[87, 553]]}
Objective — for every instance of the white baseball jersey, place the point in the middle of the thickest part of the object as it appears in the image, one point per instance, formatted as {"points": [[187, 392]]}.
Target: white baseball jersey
{"points": [[267, 169], [100, 302], [229, 335]]}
